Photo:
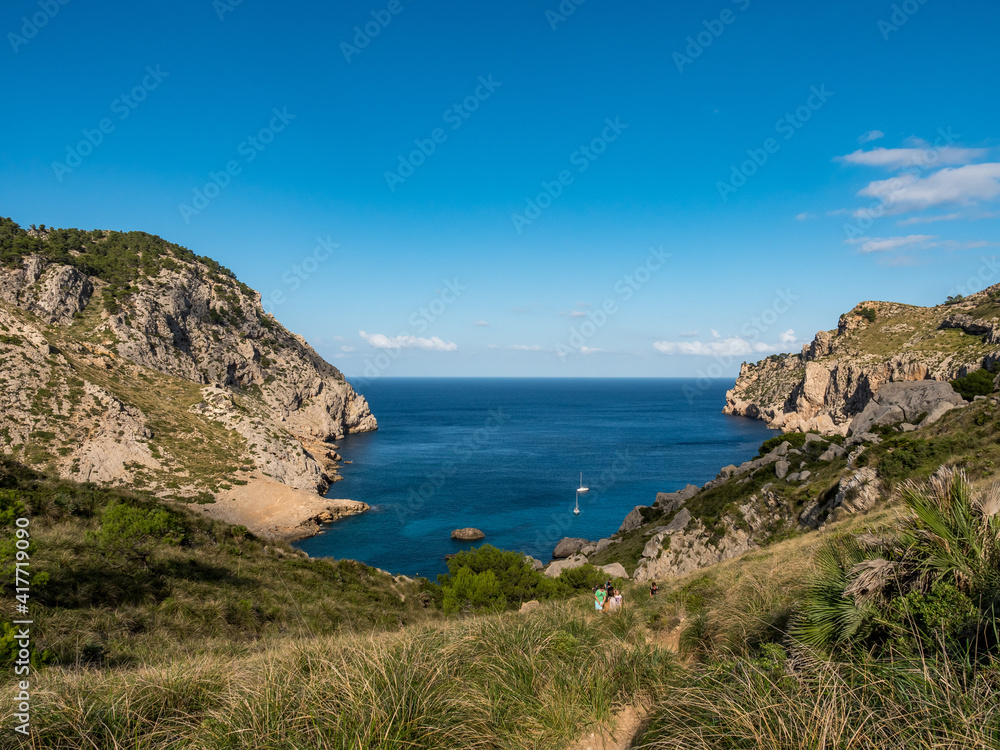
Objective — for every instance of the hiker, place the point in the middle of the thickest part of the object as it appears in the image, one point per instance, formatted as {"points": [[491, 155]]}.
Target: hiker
{"points": [[652, 590], [615, 600], [618, 598], [599, 596]]}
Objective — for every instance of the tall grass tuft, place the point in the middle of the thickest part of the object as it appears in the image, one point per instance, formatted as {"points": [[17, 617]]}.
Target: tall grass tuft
{"points": [[858, 705], [492, 681]]}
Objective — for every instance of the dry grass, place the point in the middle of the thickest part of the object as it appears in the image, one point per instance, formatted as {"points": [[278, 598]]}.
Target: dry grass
{"points": [[499, 681]]}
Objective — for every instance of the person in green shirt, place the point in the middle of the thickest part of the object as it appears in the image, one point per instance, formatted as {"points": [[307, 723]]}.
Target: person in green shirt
{"points": [[599, 595]]}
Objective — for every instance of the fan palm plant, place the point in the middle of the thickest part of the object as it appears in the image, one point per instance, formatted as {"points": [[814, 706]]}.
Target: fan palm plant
{"points": [[949, 536]]}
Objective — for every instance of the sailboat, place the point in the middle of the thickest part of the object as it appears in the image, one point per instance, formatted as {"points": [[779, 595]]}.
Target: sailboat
{"points": [[582, 488], [576, 510]]}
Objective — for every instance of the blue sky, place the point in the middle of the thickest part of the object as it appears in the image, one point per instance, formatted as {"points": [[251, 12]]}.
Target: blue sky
{"points": [[524, 188]]}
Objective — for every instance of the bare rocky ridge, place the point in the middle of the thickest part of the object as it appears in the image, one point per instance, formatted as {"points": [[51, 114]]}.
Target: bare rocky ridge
{"points": [[880, 375], [183, 386], [832, 380]]}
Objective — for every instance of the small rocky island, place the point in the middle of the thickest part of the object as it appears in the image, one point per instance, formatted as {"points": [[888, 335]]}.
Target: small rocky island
{"points": [[467, 535]]}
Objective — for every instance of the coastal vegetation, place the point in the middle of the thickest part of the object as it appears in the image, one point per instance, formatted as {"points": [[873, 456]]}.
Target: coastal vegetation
{"points": [[118, 258], [124, 579], [755, 652], [489, 579]]}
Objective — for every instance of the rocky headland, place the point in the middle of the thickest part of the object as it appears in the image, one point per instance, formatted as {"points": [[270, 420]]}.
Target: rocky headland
{"points": [[823, 387], [128, 360], [862, 408]]}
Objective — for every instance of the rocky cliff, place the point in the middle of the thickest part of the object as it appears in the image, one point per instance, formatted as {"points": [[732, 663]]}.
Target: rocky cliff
{"points": [[832, 379], [875, 389], [129, 360]]}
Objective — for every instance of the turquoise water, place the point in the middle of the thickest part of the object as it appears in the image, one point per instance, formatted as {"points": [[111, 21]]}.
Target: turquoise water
{"points": [[504, 455]]}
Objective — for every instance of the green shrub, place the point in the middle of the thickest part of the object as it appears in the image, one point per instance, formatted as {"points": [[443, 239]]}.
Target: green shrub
{"points": [[468, 591], [130, 534], [976, 383], [511, 579], [795, 439], [868, 313], [941, 615]]}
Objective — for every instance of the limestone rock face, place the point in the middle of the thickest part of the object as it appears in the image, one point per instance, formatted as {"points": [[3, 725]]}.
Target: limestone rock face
{"points": [[614, 570], [898, 402], [467, 534], [832, 380], [671, 501], [55, 293], [123, 393], [568, 546], [633, 520], [555, 568]]}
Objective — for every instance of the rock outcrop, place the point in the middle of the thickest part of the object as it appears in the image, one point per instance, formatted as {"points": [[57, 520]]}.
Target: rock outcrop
{"points": [[568, 546], [556, 567], [917, 402], [164, 373], [831, 381], [467, 534]]}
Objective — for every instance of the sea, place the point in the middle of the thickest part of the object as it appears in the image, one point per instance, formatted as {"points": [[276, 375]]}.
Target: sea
{"points": [[505, 455]]}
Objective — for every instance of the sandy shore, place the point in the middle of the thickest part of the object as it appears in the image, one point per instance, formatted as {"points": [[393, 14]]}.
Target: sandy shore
{"points": [[277, 511]]}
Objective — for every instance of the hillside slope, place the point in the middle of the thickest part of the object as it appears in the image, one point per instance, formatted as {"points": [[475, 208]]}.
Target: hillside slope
{"points": [[129, 360], [831, 380]]}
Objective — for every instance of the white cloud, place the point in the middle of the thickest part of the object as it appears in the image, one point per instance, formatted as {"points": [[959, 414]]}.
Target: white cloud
{"points": [[882, 244], [787, 337], [731, 346], [433, 344], [954, 216], [962, 185], [480, 323], [517, 347], [715, 334], [805, 216], [930, 219], [897, 158], [589, 350], [687, 334], [347, 348], [574, 313], [871, 135]]}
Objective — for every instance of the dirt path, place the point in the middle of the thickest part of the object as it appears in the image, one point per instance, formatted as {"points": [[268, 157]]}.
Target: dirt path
{"points": [[621, 732], [627, 723]]}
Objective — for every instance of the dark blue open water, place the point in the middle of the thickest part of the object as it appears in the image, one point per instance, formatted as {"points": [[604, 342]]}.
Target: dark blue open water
{"points": [[504, 455]]}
